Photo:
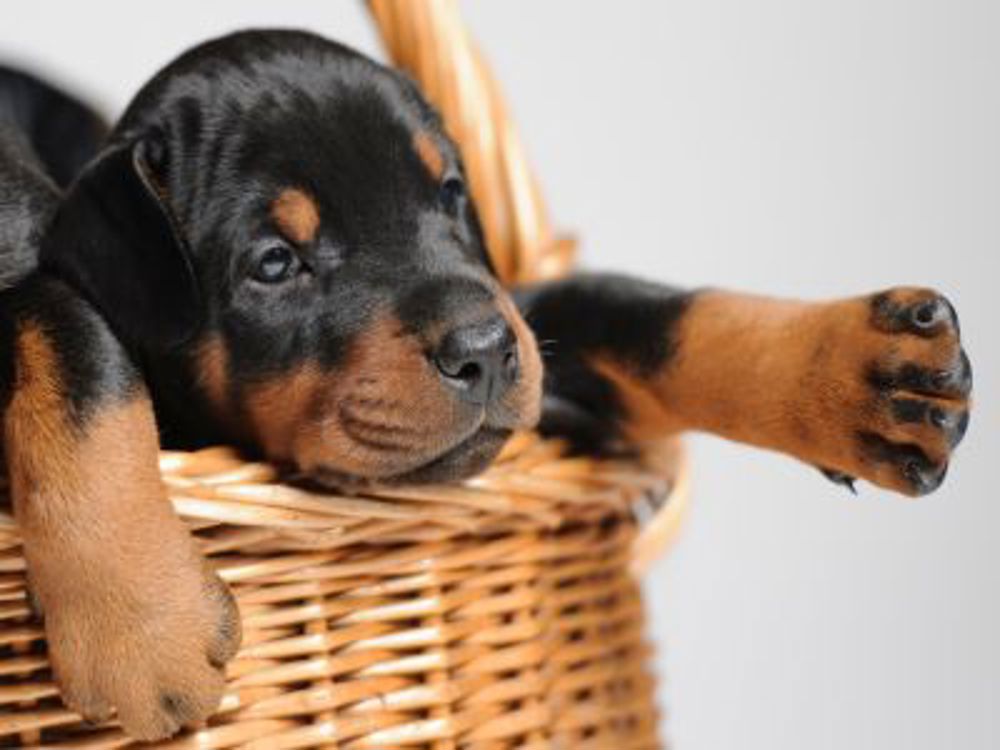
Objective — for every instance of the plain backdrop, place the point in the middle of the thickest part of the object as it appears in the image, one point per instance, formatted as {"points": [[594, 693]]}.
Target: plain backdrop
{"points": [[796, 147]]}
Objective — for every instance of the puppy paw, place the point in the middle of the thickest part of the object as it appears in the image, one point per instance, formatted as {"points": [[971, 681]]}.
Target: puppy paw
{"points": [[148, 644], [900, 382], [921, 384]]}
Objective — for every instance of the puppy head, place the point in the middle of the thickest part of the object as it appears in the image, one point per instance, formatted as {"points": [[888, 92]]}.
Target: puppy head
{"points": [[287, 219]]}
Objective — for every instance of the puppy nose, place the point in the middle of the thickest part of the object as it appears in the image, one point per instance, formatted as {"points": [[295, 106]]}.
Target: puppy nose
{"points": [[479, 362]]}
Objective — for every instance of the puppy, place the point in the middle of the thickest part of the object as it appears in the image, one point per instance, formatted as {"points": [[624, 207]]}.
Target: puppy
{"points": [[276, 248]]}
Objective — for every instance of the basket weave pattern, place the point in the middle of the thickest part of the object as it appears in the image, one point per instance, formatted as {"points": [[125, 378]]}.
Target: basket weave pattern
{"points": [[498, 613]]}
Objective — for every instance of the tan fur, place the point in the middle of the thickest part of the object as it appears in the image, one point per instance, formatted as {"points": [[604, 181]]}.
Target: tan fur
{"points": [[331, 420], [131, 613], [526, 399], [789, 376], [278, 408], [213, 372], [429, 153], [648, 419], [384, 412], [296, 215]]}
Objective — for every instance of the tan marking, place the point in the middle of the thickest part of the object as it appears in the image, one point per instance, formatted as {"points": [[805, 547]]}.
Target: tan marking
{"points": [[429, 153], [366, 418], [280, 408], [738, 355], [129, 606], [524, 399], [36, 412], [212, 372], [299, 416], [383, 412], [296, 214], [648, 419]]}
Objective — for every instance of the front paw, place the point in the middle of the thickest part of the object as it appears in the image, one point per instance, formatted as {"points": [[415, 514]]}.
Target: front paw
{"points": [[911, 385], [150, 646]]}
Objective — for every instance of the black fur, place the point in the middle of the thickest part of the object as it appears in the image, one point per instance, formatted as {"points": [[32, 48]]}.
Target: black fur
{"points": [[629, 320], [44, 137], [115, 241], [61, 130], [27, 201]]}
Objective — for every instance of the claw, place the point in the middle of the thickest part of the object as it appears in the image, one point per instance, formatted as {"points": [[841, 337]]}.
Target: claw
{"points": [[839, 477]]}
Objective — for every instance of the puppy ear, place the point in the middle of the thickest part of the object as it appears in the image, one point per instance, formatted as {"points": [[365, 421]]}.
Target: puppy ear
{"points": [[115, 240]]}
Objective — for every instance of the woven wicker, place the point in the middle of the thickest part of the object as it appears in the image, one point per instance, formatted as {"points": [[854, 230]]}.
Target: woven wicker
{"points": [[502, 612]]}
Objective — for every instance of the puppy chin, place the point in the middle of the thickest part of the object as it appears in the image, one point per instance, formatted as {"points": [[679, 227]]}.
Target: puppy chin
{"points": [[464, 460], [469, 457]]}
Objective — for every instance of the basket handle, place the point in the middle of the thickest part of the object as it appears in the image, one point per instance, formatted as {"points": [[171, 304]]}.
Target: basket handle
{"points": [[429, 40]]}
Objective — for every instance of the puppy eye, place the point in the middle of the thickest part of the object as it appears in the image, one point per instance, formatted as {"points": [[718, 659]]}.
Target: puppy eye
{"points": [[452, 193], [276, 264]]}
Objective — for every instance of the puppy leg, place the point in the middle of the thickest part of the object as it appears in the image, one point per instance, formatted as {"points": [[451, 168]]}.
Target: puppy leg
{"points": [[874, 387], [135, 620]]}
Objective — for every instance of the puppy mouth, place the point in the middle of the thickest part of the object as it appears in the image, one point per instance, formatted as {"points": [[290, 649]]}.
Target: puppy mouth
{"points": [[469, 457], [403, 439], [380, 435], [460, 460]]}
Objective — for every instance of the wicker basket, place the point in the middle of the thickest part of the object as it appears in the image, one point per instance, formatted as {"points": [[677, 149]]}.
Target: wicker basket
{"points": [[499, 613]]}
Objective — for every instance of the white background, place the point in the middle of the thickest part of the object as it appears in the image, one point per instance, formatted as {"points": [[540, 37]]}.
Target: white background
{"points": [[787, 146]]}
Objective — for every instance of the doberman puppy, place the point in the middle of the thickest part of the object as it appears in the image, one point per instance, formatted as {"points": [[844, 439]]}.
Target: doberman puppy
{"points": [[275, 248]]}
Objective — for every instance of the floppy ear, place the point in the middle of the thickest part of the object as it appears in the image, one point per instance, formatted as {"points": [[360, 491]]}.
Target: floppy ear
{"points": [[115, 240]]}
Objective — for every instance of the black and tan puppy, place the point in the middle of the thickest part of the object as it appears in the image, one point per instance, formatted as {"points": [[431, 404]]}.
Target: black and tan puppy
{"points": [[276, 249]]}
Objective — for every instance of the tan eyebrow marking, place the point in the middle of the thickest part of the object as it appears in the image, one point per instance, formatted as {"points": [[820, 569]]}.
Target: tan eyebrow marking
{"points": [[429, 153], [296, 214]]}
